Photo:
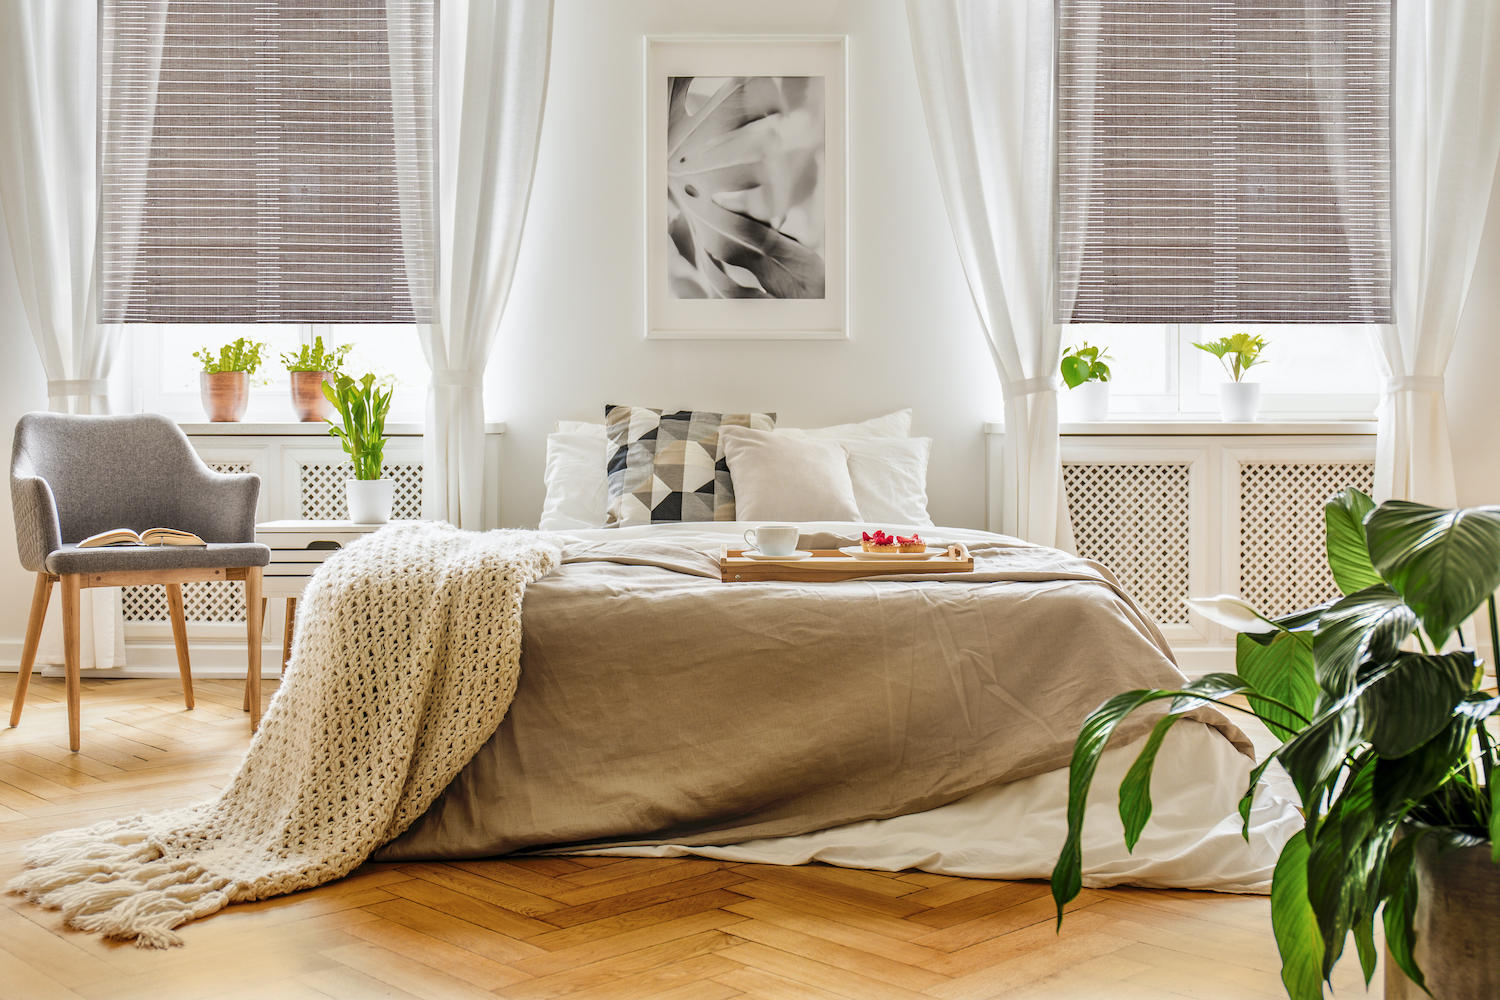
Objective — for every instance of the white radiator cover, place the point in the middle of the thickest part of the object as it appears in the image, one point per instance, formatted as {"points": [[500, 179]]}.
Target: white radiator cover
{"points": [[1177, 512], [320, 497]]}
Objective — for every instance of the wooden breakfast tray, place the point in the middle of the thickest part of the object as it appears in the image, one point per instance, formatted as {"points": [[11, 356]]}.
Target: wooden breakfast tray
{"points": [[831, 566]]}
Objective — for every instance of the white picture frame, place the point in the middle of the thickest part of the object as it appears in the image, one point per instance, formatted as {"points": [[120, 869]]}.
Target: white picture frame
{"points": [[776, 296]]}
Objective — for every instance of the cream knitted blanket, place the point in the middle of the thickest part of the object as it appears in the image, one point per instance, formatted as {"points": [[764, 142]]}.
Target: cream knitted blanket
{"points": [[407, 654]]}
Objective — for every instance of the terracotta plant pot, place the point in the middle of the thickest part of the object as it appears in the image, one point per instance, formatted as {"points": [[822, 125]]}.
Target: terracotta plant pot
{"points": [[308, 400], [1457, 925], [225, 395]]}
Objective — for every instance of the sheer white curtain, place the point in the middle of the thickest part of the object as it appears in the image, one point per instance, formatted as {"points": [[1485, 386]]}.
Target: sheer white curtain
{"points": [[985, 72], [1446, 95], [492, 67], [48, 192]]}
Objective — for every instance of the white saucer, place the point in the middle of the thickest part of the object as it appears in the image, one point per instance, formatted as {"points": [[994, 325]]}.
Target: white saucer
{"points": [[762, 557]]}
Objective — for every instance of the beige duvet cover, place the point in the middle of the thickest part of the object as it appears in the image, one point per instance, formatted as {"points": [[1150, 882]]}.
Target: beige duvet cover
{"points": [[659, 705]]}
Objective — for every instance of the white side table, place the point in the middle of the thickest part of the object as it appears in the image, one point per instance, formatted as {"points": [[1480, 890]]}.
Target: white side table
{"points": [[298, 548]]}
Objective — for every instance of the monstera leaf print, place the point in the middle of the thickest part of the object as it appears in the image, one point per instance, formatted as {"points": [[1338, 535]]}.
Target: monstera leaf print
{"points": [[744, 191]]}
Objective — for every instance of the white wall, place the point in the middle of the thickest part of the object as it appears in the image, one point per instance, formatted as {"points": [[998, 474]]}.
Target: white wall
{"points": [[1473, 377], [573, 335]]}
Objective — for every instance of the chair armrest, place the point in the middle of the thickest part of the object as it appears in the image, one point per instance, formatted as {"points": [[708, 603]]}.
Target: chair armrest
{"points": [[223, 505], [38, 530]]}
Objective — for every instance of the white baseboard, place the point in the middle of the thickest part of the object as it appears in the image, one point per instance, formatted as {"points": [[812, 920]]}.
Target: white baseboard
{"points": [[149, 658]]}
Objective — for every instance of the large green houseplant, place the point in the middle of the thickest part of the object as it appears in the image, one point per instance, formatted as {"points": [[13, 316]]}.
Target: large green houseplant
{"points": [[1380, 709]]}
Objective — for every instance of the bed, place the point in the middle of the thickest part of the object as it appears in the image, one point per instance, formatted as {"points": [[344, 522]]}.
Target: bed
{"points": [[906, 723]]}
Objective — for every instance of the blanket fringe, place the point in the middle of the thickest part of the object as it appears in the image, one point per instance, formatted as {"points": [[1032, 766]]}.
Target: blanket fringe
{"points": [[116, 882]]}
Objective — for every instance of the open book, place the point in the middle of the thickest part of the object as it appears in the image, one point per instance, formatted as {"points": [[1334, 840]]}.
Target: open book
{"points": [[151, 536]]}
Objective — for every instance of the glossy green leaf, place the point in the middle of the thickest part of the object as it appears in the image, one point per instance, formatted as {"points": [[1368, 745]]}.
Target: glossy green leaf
{"points": [[1279, 666], [1075, 371], [1412, 700], [1093, 737], [1348, 555], [1314, 756], [1344, 865], [1399, 886], [1295, 925], [1443, 563], [1369, 624], [1135, 788], [1247, 801]]}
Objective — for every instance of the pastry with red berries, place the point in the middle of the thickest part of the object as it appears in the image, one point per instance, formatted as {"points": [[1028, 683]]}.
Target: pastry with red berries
{"points": [[912, 544], [879, 542]]}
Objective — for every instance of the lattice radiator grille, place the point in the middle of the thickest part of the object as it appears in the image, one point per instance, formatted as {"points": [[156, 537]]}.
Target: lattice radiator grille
{"points": [[1134, 518], [201, 602], [1282, 556], [323, 490], [322, 498]]}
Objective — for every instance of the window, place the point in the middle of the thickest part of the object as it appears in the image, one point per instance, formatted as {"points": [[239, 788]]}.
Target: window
{"points": [[1310, 372], [1226, 167], [1223, 163], [266, 170]]}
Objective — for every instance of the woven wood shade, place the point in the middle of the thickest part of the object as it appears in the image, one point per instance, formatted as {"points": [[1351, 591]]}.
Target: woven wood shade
{"points": [[266, 161], [1223, 161]]}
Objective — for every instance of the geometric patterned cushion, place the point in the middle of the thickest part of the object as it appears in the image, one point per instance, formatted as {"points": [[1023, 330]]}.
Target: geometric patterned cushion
{"points": [[669, 466]]}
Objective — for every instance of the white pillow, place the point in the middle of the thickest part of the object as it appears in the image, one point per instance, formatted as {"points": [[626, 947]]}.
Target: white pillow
{"points": [[781, 477], [890, 478], [577, 488], [892, 425]]}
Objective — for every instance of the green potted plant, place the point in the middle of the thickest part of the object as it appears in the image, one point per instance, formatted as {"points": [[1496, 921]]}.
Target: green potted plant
{"points": [[224, 383], [1238, 353], [1085, 370], [1382, 714], [362, 406], [310, 366]]}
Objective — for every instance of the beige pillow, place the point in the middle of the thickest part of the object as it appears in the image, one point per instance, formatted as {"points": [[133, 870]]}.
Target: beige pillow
{"points": [[778, 477]]}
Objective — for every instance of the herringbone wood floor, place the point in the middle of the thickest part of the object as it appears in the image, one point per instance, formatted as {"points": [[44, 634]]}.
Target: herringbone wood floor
{"points": [[579, 929]]}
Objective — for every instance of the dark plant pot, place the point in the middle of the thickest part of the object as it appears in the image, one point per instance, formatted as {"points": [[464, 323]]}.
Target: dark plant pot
{"points": [[1457, 925], [225, 395], [307, 395]]}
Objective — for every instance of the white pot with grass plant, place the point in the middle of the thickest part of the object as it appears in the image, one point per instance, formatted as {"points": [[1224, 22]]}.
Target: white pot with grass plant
{"points": [[1086, 371], [1239, 400], [362, 406]]}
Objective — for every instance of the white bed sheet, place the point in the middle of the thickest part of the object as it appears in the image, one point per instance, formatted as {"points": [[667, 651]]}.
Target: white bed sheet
{"points": [[1014, 831]]}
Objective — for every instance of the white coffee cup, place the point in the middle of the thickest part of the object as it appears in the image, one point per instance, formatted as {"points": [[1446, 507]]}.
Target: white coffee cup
{"points": [[773, 539]]}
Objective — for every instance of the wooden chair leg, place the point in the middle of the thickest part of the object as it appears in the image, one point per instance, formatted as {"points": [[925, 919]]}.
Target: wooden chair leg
{"points": [[246, 705], [40, 596], [178, 615], [254, 619], [286, 631], [71, 587]]}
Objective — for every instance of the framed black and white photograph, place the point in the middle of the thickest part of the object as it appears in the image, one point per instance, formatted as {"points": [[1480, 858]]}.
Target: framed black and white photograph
{"points": [[746, 191]]}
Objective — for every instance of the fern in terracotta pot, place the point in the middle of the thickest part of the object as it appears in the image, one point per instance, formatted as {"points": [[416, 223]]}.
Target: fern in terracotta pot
{"points": [[310, 367], [362, 406], [1384, 716], [224, 383]]}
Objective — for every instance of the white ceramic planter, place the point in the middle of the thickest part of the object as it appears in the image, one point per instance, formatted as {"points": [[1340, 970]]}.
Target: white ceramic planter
{"points": [[1239, 401], [369, 499], [1091, 401]]}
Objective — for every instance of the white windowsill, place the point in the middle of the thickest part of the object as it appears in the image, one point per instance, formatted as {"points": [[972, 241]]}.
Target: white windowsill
{"points": [[295, 429], [1206, 428]]}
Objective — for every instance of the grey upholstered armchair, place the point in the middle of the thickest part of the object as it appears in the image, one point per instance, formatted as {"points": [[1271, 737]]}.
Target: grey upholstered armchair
{"points": [[74, 476]]}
